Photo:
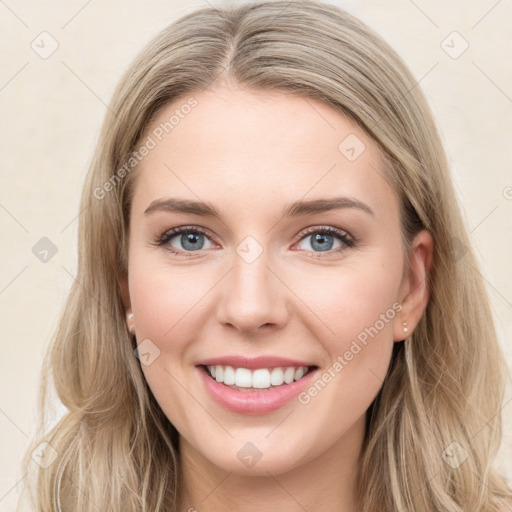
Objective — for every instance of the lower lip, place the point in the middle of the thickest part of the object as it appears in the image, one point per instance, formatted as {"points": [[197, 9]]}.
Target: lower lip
{"points": [[254, 402]]}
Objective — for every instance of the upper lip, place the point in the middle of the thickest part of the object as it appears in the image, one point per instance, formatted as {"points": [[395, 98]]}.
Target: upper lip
{"points": [[253, 362]]}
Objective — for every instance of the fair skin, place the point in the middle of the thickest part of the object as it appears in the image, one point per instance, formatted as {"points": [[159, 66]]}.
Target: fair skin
{"points": [[250, 154]]}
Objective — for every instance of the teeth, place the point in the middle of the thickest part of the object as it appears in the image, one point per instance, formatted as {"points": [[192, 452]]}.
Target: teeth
{"points": [[243, 378], [299, 373], [289, 375], [229, 375], [276, 377], [262, 378]]}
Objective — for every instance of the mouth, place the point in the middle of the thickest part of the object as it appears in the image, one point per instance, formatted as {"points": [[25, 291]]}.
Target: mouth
{"points": [[256, 380], [255, 391]]}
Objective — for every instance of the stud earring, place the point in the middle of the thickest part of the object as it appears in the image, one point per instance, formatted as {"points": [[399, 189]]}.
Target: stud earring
{"points": [[405, 327], [130, 322]]}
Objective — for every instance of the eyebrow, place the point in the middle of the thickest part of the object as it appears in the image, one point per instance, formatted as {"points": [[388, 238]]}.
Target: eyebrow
{"points": [[295, 209]]}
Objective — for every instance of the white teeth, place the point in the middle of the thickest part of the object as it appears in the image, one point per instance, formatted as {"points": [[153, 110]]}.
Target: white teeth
{"points": [[262, 378], [289, 375], [276, 377], [229, 375], [243, 378], [299, 373]]}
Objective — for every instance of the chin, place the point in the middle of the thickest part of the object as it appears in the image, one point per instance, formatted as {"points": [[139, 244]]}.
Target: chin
{"points": [[249, 460]]}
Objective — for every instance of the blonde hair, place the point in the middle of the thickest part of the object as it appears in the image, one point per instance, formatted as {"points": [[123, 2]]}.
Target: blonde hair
{"points": [[115, 448]]}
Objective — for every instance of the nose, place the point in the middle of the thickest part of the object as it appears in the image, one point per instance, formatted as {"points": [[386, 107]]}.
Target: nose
{"points": [[252, 296]]}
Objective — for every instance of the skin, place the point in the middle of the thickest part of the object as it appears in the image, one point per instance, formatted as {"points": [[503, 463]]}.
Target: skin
{"points": [[250, 153]]}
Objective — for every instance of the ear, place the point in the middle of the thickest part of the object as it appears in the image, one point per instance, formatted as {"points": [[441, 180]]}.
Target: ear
{"points": [[414, 289], [125, 296]]}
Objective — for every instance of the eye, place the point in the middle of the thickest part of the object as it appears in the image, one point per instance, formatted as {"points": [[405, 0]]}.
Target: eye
{"points": [[191, 239], [323, 239]]}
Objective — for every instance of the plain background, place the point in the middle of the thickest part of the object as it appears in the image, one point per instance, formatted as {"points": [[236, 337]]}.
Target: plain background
{"points": [[51, 110]]}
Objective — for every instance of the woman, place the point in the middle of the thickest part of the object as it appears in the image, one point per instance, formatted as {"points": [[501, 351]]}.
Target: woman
{"points": [[329, 346]]}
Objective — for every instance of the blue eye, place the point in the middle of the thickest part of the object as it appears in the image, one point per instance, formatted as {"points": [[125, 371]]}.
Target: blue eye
{"points": [[192, 239], [323, 239]]}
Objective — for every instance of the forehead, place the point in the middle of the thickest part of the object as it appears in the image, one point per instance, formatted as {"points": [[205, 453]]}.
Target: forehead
{"points": [[257, 150]]}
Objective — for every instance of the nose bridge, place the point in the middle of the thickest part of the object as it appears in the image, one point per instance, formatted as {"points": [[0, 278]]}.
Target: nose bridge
{"points": [[252, 295]]}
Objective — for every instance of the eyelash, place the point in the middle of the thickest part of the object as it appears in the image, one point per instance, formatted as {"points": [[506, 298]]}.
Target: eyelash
{"points": [[339, 233]]}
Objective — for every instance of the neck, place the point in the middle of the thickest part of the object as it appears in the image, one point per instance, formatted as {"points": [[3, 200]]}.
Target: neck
{"points": [[326, 482]]}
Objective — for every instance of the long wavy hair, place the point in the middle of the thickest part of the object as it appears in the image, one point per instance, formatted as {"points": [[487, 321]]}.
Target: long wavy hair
{"points": [[114, 450]]}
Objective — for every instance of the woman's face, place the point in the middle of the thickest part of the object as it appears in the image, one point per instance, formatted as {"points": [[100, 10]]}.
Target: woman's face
{"points": [[273, 283]]}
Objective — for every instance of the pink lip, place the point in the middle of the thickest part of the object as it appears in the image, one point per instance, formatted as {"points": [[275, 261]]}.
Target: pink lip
{"points": [[254, 402], [253, 363]]}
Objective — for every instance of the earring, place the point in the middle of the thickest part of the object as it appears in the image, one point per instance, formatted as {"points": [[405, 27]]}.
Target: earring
{"points": [[405, 327], [130, 322]]}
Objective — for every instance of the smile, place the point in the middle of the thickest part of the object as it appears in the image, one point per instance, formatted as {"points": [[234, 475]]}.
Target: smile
{"points": [[256, 390], [244, 379]]}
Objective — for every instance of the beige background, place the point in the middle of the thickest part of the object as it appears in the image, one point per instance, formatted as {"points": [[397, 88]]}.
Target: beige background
{"points": [[51, 110]]}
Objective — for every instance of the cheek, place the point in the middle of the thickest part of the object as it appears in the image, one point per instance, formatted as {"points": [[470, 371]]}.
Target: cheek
{"points": [[360, 309], [164, 300], [166, 303], [356, 302], [359, 306]]}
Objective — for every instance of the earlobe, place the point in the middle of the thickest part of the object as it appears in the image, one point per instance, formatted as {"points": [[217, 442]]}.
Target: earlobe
{"points": [[130, 320], [401, 330], [415, 288], [125, 296]]}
